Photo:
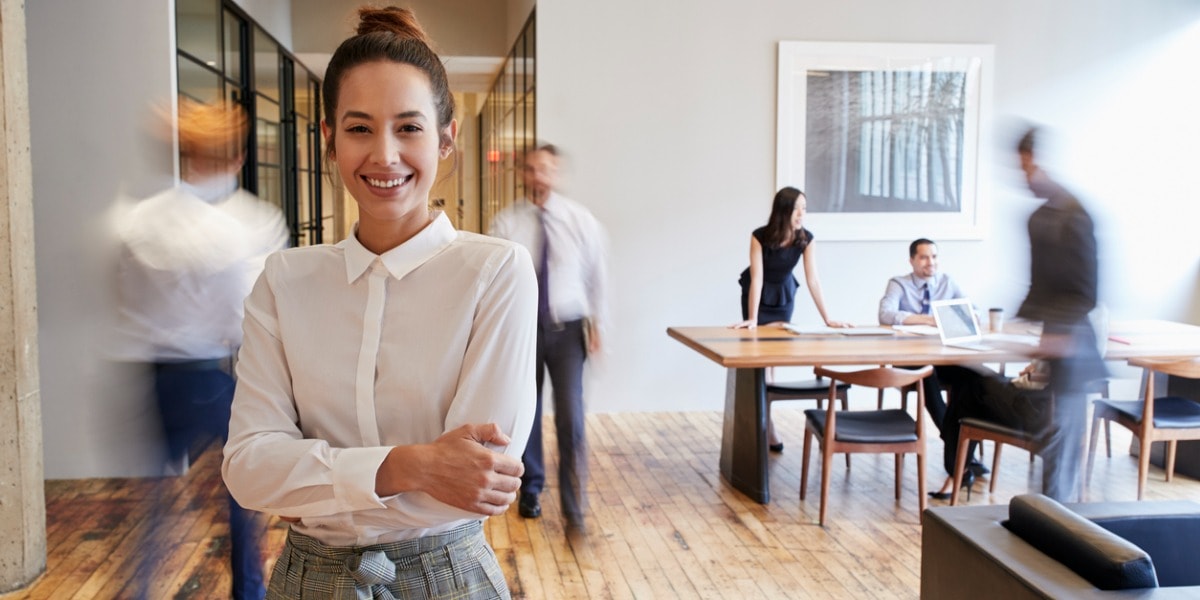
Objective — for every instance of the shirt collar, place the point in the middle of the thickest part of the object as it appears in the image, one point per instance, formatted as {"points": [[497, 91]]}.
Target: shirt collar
{"points": [[212, 189], [402, 259], [552, 204]]}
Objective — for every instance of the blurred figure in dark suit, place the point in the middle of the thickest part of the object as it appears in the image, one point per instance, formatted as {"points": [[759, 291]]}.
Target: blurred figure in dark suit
{"points": [[1062, 291]]}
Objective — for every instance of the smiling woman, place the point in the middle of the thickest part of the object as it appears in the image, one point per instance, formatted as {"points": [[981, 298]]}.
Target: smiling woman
{"points": [[385, 436], [386, 142]]}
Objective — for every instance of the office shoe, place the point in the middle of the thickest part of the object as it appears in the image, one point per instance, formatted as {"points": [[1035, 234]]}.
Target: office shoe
{"points": [[529, 507], [968, 481], [776, 448]]}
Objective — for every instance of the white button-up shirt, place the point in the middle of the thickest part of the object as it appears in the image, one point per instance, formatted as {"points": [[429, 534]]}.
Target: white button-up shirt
{"points": [[576, 260], [189, 256], [347, 354]]}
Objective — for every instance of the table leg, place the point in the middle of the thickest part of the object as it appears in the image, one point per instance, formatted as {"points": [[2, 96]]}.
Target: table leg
{"points": [[744, 436]]}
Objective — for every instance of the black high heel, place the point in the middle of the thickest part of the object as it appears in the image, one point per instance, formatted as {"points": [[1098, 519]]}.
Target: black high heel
{"points": [[968, 481]]}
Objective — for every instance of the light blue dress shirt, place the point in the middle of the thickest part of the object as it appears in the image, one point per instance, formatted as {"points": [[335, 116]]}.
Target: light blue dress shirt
{"points": [[905, 296]]}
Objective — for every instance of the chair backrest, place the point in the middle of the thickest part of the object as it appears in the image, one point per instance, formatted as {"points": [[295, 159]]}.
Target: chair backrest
{"points": [[878, 377]]}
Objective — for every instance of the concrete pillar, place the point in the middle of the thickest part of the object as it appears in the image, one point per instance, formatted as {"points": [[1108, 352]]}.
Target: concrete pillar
{"points": [[22, 495]]}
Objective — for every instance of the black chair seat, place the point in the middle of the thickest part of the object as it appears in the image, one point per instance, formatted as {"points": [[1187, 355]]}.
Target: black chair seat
{"points": [[868, 427], [998, 428], [1170, 412], [804, 386]]}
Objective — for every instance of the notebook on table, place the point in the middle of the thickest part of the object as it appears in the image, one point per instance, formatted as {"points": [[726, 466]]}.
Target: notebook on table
{"points": [[957, 324]]}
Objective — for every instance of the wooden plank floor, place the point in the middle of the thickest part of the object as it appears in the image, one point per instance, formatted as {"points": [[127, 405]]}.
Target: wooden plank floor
{"points": [[662, 523]]}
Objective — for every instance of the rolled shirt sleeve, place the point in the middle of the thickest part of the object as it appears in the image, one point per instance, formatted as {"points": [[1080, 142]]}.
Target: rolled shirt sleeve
{"points": [[889, 305]]}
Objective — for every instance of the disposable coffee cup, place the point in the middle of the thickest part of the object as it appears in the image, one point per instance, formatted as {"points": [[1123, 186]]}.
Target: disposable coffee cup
{"points": [[995, 319]]}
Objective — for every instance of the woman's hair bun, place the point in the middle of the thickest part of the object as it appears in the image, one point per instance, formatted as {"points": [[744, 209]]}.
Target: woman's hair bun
{"points": [[392, 19]]}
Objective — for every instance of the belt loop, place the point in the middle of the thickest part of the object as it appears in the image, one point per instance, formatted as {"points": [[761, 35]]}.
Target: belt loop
{"points": [[453, 557], [427, 568], [294, 574]]}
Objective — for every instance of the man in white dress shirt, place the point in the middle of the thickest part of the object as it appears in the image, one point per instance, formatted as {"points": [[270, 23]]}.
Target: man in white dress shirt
{"points": [[190, 256], [567, 246]]}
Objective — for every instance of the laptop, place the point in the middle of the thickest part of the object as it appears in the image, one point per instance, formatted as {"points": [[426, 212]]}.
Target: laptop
{"points": [[957, 324]]}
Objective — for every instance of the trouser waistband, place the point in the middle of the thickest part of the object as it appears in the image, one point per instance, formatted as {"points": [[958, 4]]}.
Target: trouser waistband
{"points": [[394, 550], [208, 364]]}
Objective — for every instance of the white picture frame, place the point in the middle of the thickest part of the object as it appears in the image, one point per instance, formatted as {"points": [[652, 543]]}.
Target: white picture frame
{"points": [[895, 137]]}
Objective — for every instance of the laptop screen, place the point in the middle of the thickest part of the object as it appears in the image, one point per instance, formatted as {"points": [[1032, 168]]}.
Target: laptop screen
{"points": [[956, 320]]}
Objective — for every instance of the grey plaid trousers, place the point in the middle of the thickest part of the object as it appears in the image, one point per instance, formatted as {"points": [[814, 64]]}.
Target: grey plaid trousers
{"points": [[458, 564]]}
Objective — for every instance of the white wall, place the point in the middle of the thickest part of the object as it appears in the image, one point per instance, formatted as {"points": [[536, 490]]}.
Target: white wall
{"points": [[95, 69], [668, 110]]}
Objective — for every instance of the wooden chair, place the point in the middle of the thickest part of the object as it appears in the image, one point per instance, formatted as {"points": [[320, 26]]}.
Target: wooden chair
{"points": [[816, 388], [870, 431], [1169, 418], [982, 430]]}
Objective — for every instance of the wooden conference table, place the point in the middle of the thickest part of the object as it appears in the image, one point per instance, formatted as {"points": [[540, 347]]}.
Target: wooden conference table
{"points": [[746, 354]]}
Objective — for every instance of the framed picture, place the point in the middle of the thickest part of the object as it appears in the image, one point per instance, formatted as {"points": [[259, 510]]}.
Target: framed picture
{"points": [[887, 141]]}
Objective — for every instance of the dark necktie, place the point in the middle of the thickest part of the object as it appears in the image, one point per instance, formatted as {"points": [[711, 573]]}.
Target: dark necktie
{"points": [[925, 300], [543, 272]]}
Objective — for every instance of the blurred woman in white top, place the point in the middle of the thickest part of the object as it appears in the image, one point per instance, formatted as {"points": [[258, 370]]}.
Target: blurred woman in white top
{"points": [[386, 388]]}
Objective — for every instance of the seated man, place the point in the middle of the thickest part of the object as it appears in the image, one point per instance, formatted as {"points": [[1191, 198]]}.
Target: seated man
{"points": [[1021, 402], [908, 297], [906, 302]]}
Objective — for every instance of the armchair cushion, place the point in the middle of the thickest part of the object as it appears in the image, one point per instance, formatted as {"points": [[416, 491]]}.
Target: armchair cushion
{"points": [[1169, 539], [1105, 559]]}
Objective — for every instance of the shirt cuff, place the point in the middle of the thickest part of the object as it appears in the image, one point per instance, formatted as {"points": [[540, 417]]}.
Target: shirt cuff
{"points": [[354, 471]]}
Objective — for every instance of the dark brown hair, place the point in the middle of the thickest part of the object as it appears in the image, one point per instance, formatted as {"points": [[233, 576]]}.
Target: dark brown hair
{"points": [[779, 225], [916, 244], [390, 34]]}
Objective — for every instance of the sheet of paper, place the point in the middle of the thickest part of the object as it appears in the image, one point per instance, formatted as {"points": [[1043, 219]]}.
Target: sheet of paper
{"points": [[852, 331], [917, 329]]}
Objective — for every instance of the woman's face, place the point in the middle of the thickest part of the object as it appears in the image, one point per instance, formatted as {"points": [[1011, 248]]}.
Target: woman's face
{"points": [[386, 142], [799, 210]]}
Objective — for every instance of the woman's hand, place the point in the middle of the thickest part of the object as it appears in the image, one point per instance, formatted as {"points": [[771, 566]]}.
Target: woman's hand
{"points": [[747, 324], [838, 324], [456, 469]]}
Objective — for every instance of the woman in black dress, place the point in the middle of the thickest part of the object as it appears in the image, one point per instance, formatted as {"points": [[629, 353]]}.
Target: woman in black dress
{"points": [[768, 285]]}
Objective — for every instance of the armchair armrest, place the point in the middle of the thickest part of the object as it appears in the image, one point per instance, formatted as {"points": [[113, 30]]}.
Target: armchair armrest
{"points": [[1105, 559]]}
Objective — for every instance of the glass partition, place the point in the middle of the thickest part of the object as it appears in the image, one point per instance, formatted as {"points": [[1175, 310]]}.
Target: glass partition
{"points": [[508, 126], [223, 55]]}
